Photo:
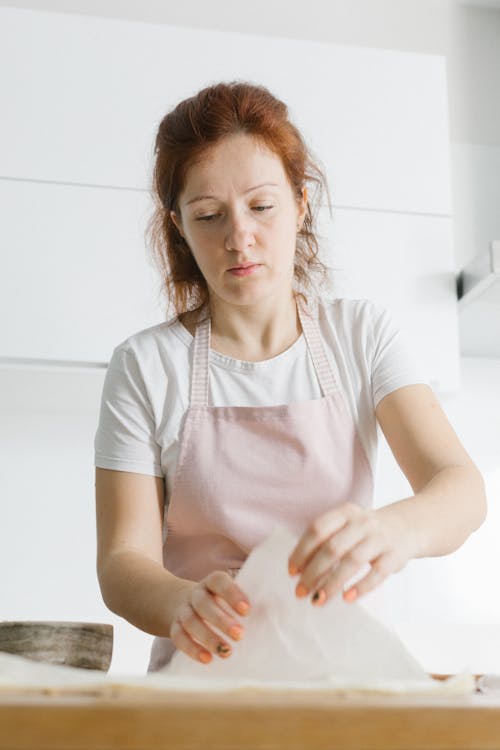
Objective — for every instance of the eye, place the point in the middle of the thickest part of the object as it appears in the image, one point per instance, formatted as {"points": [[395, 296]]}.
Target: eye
{"points": [[209, 217]]}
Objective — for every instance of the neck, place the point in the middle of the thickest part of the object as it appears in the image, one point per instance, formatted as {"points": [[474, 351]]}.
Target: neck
{"points": [[254, 332]]}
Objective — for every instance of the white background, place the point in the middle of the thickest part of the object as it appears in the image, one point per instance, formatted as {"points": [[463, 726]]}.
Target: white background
{"points": [[443, 607]]}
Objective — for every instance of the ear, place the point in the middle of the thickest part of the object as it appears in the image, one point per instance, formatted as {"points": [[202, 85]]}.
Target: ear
{"points": [[302, 206], [177, 222]]}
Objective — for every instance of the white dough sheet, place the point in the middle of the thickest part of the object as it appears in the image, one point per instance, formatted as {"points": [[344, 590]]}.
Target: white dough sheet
{"points": [[288, 640], [288, 644]]}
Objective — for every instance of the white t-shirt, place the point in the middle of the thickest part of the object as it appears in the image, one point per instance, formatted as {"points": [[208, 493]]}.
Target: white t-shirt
{"points": [[146, 389]]}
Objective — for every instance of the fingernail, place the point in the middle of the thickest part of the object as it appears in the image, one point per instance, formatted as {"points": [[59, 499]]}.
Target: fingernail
{"points": [[319, 598], [351, 595], [236, 632], [292, 569], [223, 650], [242, 608], [205, 657], [301, 590]]}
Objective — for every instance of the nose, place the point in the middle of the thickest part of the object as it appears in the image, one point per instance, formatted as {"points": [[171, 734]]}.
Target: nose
{"points": [[239, 233]]}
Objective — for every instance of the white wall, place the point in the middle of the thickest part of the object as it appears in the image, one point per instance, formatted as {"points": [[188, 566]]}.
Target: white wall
{"points": [[47, 533], [47, 425], [51, 450], [467, 33], [455, 625]]}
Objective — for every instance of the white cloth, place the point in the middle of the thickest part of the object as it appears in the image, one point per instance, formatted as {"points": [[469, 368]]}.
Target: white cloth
{"points": [[146, 388]]}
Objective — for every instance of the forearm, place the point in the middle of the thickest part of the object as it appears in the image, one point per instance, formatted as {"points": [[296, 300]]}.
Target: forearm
{"points": [[440, 517], [142, 592]]}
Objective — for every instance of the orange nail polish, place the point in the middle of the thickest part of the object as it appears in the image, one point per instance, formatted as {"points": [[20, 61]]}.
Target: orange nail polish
{"points": [[205, 657], [292, 569], [351, 595], [236, 632], [242, 608], [301, 590]]}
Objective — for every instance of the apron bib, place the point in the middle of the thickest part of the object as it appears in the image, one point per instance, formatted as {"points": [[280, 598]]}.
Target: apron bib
{"points": [[242, 470]]}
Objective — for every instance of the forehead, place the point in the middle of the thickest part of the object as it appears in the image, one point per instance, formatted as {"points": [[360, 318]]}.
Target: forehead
{"points": [[236, 162]]}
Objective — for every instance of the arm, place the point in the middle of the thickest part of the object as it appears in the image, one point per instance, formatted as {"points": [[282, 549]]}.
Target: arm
{"points": [[450, 500], [449, 504], [134, 584]]}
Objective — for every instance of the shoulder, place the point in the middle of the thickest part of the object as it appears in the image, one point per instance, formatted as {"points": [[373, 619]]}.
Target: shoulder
{"points": [[149, 360], [353, 317], [348, 306], [142, 344]]}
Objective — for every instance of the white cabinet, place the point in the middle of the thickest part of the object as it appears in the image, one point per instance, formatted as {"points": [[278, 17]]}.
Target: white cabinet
{"points": [[76, 280], [404, 262], [82, 99]]}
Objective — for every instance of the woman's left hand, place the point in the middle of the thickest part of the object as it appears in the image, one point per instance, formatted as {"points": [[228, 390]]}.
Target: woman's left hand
{"points": [[337, 544]]}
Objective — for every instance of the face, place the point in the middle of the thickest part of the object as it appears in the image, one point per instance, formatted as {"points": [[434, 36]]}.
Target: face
{"points": [[237, 209]]}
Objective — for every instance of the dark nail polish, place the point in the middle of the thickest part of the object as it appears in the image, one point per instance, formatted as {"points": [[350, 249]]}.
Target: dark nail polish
{"points": [[222, 649], [316, 596]]}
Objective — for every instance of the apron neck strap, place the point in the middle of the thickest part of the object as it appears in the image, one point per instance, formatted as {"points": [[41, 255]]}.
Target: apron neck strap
{"points": [[308, 315]]}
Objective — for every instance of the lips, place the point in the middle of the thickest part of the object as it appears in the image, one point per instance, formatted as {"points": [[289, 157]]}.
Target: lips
{"points": [[243, 265], [246, 270]]}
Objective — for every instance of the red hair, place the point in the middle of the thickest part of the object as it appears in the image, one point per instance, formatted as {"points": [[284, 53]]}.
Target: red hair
{"points": [[185, 133]]}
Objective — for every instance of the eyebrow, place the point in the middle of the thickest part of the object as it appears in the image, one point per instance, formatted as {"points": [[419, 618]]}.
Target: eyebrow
{"points": [[202, 197]]}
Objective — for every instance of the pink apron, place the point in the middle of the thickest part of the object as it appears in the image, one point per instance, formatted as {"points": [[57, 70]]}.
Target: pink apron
{"points": [[242, 470]]}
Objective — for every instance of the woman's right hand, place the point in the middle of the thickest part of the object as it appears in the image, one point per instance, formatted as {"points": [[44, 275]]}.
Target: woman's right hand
{"points": [[207, 604]]}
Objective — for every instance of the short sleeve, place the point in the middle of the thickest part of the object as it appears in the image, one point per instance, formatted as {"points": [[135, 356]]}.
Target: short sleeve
{"points": [[394, 362], [125, 437]]}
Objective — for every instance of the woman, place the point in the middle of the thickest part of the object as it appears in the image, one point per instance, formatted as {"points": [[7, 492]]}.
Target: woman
{"points": [[256, 404]]}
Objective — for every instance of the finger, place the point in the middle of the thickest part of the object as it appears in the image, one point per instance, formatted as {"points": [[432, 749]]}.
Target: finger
{"points": [[329, 555], [184, 643], [199, 632], [210, 603], [214, 610], [319, 530], [221, 583], [357, 558], [380, 569]]}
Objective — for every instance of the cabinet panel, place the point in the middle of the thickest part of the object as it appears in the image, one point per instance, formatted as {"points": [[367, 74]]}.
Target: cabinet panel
{"points": [[82, 99], [405, 263], [76, 147], [75, 274], [78, 277]]}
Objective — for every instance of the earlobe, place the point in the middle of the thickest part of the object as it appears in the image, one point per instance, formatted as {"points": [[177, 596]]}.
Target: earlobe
{"points": [[303, 208], [176, 222]]}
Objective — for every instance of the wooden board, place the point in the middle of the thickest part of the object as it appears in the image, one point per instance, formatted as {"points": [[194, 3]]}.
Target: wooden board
{"points": [[247, 720]]}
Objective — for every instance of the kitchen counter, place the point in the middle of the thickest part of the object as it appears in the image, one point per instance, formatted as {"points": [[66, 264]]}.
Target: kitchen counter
{"points": [[249, 719]]}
